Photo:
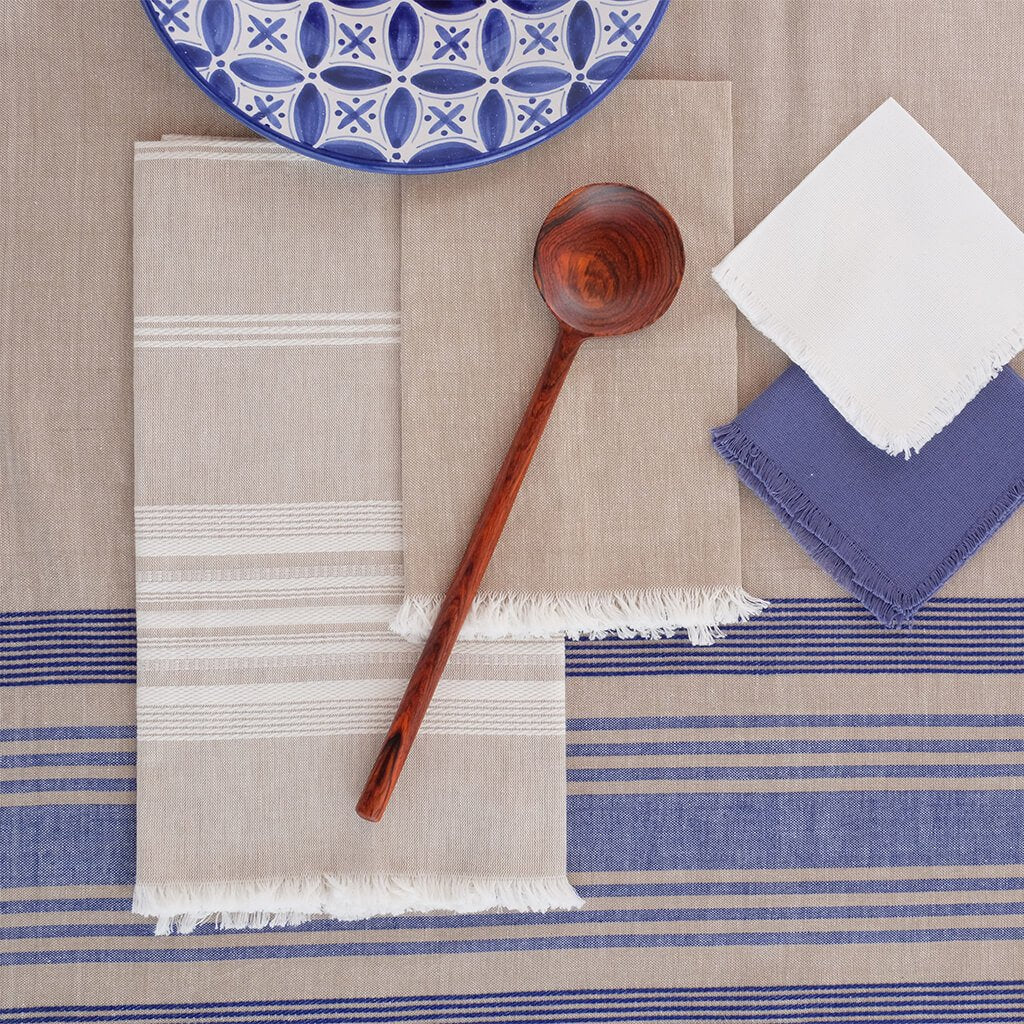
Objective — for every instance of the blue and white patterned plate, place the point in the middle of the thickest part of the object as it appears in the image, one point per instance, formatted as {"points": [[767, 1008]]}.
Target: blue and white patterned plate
{"points": [[406, 86]]}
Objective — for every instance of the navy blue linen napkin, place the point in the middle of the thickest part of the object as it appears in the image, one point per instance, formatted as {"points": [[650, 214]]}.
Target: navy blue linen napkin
{"points": [[890, 531]]}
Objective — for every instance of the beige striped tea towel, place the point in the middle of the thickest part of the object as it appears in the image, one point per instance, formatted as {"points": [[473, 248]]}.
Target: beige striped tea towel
{"points": [[269, 564]]}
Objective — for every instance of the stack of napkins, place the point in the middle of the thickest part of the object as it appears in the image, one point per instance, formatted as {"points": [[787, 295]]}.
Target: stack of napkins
{"points": [[895, 284]]}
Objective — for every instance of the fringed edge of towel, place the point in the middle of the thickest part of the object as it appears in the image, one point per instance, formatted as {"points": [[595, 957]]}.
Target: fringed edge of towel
{"points": [[627, 614], [908, 443], [832, 548], [279, 902]]}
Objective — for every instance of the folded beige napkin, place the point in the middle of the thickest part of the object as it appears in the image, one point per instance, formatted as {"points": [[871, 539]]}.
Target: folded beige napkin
{"points": [[269, 564], [627, 522]]}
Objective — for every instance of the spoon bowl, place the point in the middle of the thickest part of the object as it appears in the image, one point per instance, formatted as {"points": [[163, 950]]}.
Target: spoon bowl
{"points": [[608, 260]]}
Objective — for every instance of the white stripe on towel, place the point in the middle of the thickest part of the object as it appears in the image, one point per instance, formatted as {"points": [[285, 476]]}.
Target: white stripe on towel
{"points": [[249, 696], [347, 513], [267, 318], [190, 530], [247, 646], [257, 617], [225, 331], [338, 707], [222, 149], [265, 544], [150, 590]]}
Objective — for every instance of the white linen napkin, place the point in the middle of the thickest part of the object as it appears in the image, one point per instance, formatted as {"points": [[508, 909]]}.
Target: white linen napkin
{"points": [[891, 278]]}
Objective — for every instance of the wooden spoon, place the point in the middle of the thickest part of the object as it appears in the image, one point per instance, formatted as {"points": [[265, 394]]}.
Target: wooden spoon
{"points": [[608, 261]]}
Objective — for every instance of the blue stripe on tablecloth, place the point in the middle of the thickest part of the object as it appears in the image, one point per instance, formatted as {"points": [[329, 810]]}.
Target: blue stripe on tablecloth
{"points": [[77, 732], [756, 831], [328, 1012], [635, 890], [67, 647], [69, 759], [93, 844], [854, 721], [847, 886], [25, 636], [65, 905], [67, 613], [977, 636], [516, 944], [24, 633], [896, 998], [746, 747], [762, 668], [79, 785], [66, 655], [778, 772], [112, 674], [632, 890], [552, 917], [67, 844]]}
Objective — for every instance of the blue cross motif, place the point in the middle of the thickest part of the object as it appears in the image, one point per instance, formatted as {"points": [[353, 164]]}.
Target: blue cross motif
{"points": [[446, 119], [266, 33], [267, 111], [624, 27], [169, 14], [534, 116], [354, 115], [541, 36], [452, 41], [357, 40]]}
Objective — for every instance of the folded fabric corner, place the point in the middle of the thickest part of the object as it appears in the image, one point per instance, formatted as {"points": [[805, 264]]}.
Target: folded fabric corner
{"points": [[891, 533], [909, 438], [649, 614]]}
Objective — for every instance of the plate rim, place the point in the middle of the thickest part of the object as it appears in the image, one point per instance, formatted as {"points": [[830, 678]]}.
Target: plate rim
{"points": [[512, 149]]}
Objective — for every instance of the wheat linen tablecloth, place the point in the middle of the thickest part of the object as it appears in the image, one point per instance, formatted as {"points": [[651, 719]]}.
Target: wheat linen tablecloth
{"points": [[268, 538], [625, 524], [868, 783]]}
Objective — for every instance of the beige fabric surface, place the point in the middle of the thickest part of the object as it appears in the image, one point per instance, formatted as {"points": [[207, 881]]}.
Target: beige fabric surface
{"points": [[82, 82], [805, 73], [627, 521], [269, 562]]}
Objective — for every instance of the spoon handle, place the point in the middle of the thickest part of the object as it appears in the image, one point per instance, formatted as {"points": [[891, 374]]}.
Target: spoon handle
{"points": [[466, 581]]}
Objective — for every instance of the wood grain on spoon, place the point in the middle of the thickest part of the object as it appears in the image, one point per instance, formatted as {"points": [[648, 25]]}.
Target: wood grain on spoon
{"points": [[608, 261]]}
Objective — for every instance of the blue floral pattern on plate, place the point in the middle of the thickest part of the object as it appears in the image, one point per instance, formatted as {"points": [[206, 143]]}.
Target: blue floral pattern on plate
{"points": [[407, 85]]}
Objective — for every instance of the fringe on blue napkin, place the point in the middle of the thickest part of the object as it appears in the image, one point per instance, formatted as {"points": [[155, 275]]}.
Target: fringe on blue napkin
{"points": [[891, 532]]}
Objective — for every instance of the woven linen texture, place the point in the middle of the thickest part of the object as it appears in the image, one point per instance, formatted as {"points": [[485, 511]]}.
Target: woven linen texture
{"points": [[625, 524], [269, 562], [816, 664]]}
